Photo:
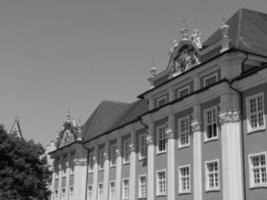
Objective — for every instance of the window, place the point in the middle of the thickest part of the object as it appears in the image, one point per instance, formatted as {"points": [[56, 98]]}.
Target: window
{"points": [[71, 193], [89, 192], [142, 186], [91, 162], [258, 167], [142, 146], [212, 175], [211, 79], [113, 155], [161, 182], [183, 130], [64, 179], [210, 118], [100, 192], [125, 189], [184, 179], [255, 109], [56, 188], [183, 91], [162, 139], [101, 158], [126, 150], [112, 190], [71, 185], [161, 101]]}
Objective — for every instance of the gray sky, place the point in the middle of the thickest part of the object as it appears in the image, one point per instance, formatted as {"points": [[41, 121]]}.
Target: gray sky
{"points": [[76, 53]]}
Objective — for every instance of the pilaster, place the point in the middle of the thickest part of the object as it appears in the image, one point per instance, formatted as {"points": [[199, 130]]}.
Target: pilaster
{"points": [[106, 171], [231, 149], [197, 153], [60, 179], [171, 158], [52, 186], [118, 169], [80, 175], [67, 176], [132, 166], [95, 176], [150, 163]]}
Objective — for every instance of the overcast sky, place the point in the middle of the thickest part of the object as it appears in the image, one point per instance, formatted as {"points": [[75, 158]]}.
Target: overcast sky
{"points": [[56, 54]]}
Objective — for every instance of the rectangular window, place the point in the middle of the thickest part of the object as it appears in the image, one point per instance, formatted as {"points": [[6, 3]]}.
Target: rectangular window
{"points": [[91, 162], [113, 155], [184, 179], [56, 188], [63, 185], [210, 118], [258, 168], [71, 193], [183, 91], [89, 192], [161, 138], [212, 175], [255, 110], [161, 183], [211, 79], [183, 132], [142, 146], [161, 101], [142, 186], [126, 150], [100, 192], [112, 190], [101, 158], [125, 189]]}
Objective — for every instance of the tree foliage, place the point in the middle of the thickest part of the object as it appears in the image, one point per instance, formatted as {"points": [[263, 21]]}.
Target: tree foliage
{"points": [[24, 174]]}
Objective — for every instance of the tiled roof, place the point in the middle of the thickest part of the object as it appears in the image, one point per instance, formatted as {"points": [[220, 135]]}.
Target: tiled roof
{"points": [[111, 115], [247, 31]]}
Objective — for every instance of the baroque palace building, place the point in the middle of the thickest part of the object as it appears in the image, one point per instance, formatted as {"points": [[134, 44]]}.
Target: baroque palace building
{"points": [[199, 132]]}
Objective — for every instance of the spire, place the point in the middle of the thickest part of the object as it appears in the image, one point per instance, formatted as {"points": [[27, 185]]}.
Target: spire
{"points": [[184, 30], [79, 131], [153, 69], [68, 115]]}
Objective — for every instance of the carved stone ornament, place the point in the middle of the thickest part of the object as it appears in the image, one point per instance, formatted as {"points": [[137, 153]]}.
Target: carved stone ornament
{"points": [[195, 125], [105, 155], [170, 133], [149, 139], [229, 116], [132, 147], [80, 162], [118, 152]]}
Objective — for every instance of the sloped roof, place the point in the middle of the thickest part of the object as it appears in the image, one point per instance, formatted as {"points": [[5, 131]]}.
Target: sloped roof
{"points": [[103, 118], [247, 31]]}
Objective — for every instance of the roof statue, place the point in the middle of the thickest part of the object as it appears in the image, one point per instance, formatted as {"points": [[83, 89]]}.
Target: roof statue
{"points": [[184, 31], [153, 69], [196, 39]]}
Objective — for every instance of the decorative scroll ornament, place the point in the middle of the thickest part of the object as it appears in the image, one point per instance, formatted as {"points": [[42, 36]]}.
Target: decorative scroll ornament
{"points": [[229, 116], [149, 139], [195, 125], [170, 133]]}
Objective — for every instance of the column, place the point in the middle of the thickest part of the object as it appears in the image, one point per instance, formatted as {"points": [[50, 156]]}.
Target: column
{"points": [[52, 186], [197, 155], [171, 158], [231, 149], [80, 175], [132, 166], [150, 163], [95, 173], [67, 176], [106, 171], [60, 178], [118, 169]]}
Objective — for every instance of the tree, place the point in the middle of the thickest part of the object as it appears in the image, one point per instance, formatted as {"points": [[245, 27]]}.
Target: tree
{"points": [[24, 174]]}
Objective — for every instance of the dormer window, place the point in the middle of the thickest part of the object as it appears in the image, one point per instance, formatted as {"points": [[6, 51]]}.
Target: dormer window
{"points": [[211, 79], [160, 101]]}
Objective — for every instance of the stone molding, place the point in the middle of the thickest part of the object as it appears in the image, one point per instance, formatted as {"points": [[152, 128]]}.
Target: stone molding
{"points": [[149, 140], [195, 125], [170, 133], [105, 155], [132, 147], [229, 117], [80, 162], [118, 152]]}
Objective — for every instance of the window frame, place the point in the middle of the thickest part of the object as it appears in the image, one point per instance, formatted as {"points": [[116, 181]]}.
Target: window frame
{"points": [[110, 197], [180, 145], [91, 162], [123, 189], [142, 147], [207, 186], [158, 193], [179, 90], [206, 139], [205, 78], [126, 149], [252, 184], [98, 191], [140, 196], [180, 177], [88, 197], [113, 155], [101, 159], [258, 128], [158, 127], [161, 98]]}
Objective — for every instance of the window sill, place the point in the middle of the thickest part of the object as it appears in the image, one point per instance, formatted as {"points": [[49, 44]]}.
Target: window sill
{"points": [[161, 152], [161, 195], [112, 166], [126, 163], [211, 139], [212, 190], [183, 147], [100, 170], [259, 186], [141, 159], [184, 193], [256, 130]]}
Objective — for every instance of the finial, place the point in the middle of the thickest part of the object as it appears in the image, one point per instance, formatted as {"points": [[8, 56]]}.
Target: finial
{"points": [[184, 30], [153, 69], [68, 115], [224, 27], [79, 131]]}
